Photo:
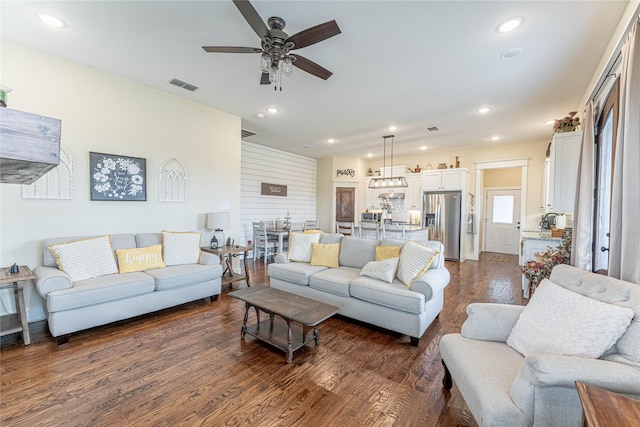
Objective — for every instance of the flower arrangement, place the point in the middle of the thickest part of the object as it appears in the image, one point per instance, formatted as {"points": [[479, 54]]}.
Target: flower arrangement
{"points": [[386, 205], [568, 124], [541, 267]]}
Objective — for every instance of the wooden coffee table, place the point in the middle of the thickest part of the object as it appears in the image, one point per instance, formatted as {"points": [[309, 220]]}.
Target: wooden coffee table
{"points": [[281, 332]]}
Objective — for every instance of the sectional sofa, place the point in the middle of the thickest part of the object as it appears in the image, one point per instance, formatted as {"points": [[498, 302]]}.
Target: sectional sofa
{"points": [[394, 306]]}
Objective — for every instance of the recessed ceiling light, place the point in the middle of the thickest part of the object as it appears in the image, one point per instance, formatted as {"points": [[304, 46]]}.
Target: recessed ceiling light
{"points": [[495, 138], [331, 140], [510, 24], [370, 155], [51, 20], [423, 148], [392, 128], [260, 116], [549, 122], [272, 110], [484, 110], [511, 53]]}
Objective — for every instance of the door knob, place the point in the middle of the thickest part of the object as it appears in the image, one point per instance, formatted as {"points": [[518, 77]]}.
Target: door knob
{"points": [[603, 249]]}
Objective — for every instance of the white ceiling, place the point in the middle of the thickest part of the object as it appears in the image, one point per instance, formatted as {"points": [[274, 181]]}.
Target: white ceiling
{"points": [[414, 64]]}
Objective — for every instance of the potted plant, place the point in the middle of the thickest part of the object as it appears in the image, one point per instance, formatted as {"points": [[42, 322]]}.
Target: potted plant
{"points": [[567, 124]]}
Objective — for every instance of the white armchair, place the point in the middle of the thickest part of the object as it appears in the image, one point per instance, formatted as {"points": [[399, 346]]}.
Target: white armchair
{"points": [[504, 388]]}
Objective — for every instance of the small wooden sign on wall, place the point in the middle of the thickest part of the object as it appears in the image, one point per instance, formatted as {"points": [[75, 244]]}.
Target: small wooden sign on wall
{"points": [[273, 189]]}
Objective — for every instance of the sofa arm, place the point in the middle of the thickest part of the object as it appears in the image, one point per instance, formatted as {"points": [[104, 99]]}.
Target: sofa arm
{"points": [[282, 258], [49, 279], [553, 370], [207, 258], [432, 282], [490, 321]]}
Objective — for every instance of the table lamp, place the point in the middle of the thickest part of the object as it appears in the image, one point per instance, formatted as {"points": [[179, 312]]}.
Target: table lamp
{"points": [[218, 221]]}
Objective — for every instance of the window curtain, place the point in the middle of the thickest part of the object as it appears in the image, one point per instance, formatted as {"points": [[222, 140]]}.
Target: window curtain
{"points": [[582, 239], [624, 241]]}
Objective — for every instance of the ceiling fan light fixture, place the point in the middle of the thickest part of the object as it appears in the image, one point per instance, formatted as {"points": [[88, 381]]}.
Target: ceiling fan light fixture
{"points": [[265, 62], [287, 66]]}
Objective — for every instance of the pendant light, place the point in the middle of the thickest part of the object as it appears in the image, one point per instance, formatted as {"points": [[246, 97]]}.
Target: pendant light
{"points": [[384, 181]]}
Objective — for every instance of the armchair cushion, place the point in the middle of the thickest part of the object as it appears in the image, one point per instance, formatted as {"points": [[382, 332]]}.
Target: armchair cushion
{"points": [[490, 321], [560, 321]]}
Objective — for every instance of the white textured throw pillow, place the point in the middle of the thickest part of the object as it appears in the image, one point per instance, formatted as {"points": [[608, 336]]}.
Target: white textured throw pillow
{"points": [[384, 270], [560, 321], [415, 259], [84, 259], [180, 247], [300, 246]]}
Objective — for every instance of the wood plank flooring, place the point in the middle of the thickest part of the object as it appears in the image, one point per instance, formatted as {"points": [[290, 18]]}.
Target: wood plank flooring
{"points": [[187, 366]]}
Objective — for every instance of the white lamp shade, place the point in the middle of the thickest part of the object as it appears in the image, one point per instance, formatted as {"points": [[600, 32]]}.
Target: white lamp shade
{"points": [[218, 220]]}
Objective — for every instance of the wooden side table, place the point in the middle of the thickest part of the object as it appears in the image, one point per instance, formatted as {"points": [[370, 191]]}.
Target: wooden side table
{"points": [[13, 323], [601, 407], [226, 253]]}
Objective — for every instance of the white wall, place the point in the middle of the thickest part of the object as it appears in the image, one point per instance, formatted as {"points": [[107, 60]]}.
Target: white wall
{"points": [[104, 113], [264, 164]]}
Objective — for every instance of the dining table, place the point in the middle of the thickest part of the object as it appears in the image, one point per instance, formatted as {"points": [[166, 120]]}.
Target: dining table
{"points": [[280, 233]]}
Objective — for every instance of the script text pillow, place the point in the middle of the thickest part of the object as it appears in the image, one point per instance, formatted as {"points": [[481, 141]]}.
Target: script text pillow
{"points": [[180, 247], [140, 259], [84, 259], [560, 321], [325, 254], [386, 252], [300, 246], [381, 270], [415, 259]]}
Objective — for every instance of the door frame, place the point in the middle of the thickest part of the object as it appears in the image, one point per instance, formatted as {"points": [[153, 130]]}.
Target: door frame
{"points": [[356, 204], [522, 163], [485, 218]]}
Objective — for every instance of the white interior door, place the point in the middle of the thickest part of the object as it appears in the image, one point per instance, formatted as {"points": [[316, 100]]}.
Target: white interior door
{"points": [[502, 230]]}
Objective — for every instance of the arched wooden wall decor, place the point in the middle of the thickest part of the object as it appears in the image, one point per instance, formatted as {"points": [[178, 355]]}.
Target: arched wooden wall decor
{"points": [[172, 182], [57, 184]]}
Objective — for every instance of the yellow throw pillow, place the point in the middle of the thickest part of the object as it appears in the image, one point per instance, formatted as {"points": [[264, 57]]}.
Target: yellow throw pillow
{"points": [[386, 252], [311, 232], [325, 254], [140, 259]]}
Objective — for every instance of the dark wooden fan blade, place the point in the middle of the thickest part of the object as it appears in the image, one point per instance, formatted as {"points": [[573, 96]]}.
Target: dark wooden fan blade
{"points": [[231, 49], [251, 16], [264, 80], [311, 67], [314, 34]]}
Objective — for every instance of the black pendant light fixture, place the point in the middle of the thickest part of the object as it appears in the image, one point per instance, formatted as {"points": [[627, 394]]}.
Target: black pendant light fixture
{"points": [[384, 181]]}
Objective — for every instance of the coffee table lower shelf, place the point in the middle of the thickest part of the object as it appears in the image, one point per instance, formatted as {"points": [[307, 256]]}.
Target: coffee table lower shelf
{"points": [[276, 332]]}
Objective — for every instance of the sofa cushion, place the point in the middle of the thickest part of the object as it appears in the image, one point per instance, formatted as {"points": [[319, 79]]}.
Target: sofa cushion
{"points": [[179, 276], [560, 321], [355, 252], [295, 272], [148, 239], [331, 238], [334, 280], [139, 259], [300, 245], [415, 259], [98, 290], [381, 270], [394, 295], [180, 247], [84, 259], [386, 252], [325, 254]]}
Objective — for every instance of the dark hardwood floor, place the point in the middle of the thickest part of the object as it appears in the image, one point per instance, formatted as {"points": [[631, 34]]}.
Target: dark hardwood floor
{"points": [[187, 366]]}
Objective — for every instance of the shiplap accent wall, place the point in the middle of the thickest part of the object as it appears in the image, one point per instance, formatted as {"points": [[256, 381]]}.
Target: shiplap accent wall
{"points": [[264, 164]]}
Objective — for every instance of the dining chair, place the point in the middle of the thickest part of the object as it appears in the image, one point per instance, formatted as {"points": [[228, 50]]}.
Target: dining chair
{"points": [[393, 231], [262, 245], [346, 228], [369, 230], [310, 224]]}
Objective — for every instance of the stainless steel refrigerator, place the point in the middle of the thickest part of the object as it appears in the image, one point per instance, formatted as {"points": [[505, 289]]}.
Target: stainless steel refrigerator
{"points": [[442, 212]]}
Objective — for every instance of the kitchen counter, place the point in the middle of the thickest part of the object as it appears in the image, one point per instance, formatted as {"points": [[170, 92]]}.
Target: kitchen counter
{"points": [[539, 235]]}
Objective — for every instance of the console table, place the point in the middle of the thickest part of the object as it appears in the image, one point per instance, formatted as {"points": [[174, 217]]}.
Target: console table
{"points": [[226, 253], [13, 323]]}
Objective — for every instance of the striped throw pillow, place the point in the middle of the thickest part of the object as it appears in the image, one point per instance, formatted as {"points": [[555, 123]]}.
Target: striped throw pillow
{"points": [[415, 259], [84, 259], [180, 247]]}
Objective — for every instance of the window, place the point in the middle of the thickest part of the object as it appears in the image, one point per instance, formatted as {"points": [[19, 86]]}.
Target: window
{"points": [[502, 209]]}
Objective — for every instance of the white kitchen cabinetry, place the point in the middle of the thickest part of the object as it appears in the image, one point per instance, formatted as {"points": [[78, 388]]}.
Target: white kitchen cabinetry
{"points": [[563, 171], [413, 192], [445, 180]]}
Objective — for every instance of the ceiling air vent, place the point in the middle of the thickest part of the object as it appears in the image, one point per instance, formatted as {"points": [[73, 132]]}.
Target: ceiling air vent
{"points": [[184, 85], [433, 128], [245, 133]]}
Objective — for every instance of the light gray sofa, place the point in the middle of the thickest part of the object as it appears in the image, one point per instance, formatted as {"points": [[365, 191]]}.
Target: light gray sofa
{"points": [[84, 304], [392, 306], [503, 388]]}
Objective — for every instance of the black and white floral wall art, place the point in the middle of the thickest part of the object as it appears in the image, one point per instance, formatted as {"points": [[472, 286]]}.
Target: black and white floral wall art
{"points": [[115, 177]]}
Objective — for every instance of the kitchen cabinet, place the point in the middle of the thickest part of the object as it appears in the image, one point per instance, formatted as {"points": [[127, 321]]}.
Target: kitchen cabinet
{"points": [[445, 180], [413, 192], [563, 171]]}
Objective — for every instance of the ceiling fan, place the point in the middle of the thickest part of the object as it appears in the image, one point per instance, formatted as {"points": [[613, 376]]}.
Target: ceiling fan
{"points": [[276, 59]]}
